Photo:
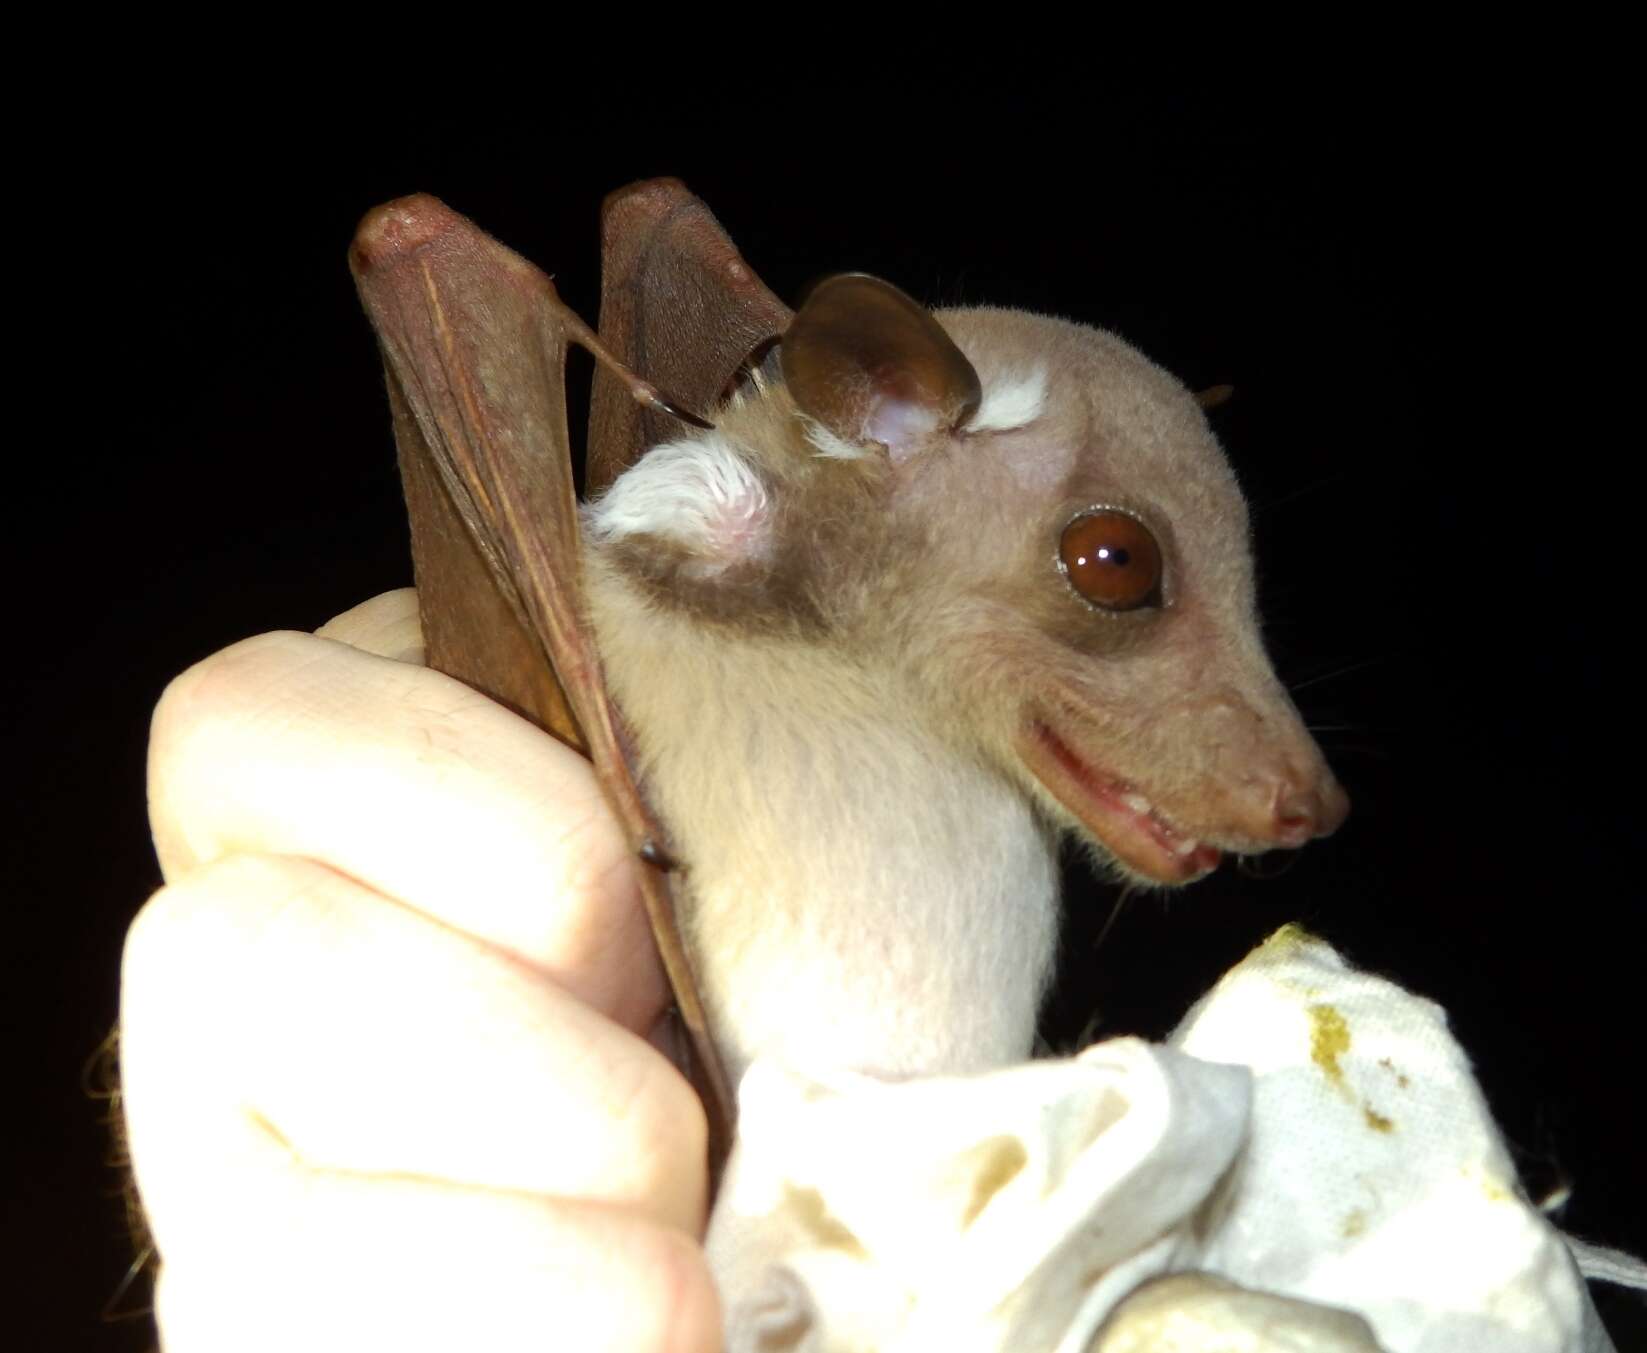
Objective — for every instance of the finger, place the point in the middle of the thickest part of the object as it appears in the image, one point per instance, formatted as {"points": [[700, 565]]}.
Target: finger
{"points": [[411, 782], [269, 997], [387, 626], [350, 1264]]}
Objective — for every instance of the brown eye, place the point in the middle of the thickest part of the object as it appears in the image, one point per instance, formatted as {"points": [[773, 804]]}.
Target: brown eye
{"points": [[1112, 560]]}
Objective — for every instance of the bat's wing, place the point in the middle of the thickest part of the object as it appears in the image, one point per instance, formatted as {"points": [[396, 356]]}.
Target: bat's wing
{"points": [[678, 304], [474, 344], [448, 304]]}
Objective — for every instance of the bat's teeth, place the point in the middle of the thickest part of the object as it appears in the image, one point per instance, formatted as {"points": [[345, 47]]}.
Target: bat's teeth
{"points": [[1138, 803], [1185, 846]]}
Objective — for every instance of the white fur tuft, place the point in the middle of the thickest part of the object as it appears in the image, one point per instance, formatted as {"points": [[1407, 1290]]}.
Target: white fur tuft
{"points": [[1018, 398], [698, 491], [831, 447]]}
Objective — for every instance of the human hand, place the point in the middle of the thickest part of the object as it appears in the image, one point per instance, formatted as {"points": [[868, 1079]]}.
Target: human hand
{"points": [[386, 1074]]}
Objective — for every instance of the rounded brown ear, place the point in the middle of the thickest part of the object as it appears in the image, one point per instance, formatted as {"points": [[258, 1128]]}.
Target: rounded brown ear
{"points": [[871, 365]]}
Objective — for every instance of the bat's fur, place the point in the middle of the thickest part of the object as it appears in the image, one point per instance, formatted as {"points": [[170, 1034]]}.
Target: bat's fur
{"points": [[839, 670]]}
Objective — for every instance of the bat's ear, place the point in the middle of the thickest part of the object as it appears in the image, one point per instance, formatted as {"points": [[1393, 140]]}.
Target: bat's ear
{"points": [[868, 364]]}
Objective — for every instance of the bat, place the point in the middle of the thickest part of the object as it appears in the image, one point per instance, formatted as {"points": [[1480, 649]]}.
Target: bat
{"points": [[869, 606]]}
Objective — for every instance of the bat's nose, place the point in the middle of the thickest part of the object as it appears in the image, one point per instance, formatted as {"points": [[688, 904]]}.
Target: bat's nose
{"points": [[1304, 808], [1281, 792]]}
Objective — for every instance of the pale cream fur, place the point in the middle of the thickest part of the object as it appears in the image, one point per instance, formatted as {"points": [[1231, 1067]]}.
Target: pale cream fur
{"points": [[859, 895]]}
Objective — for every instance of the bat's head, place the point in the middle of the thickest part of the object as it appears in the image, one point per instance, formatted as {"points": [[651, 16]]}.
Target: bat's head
{"points": [[1027, 535]]}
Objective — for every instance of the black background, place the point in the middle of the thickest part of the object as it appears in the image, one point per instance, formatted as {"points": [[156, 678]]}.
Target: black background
{"points": [[1411, 309]]}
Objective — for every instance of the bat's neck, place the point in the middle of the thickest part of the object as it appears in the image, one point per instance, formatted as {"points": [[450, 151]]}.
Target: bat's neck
{"points": [[859, 893]]}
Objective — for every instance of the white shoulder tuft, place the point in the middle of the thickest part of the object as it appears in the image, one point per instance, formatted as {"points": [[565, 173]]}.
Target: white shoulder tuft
{"points": [[697, 491]]}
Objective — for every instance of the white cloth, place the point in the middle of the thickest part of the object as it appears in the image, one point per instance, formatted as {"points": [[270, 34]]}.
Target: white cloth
{"points": [[1311, 1139]]}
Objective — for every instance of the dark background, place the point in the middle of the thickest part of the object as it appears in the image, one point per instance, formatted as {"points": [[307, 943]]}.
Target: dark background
{"points": [[1411, 307]]}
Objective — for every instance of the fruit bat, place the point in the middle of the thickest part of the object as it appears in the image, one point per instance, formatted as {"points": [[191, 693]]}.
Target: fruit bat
{"points": [[868, 605]]}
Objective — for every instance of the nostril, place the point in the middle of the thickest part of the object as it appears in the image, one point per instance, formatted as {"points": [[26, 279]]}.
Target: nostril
{"points": [[1298, 814], [1294, 825], [1306, 808], [1291, 807]]}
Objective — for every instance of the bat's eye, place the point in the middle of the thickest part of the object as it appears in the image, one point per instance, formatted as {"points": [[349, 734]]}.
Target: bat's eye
{"points": [[1112, 560]]}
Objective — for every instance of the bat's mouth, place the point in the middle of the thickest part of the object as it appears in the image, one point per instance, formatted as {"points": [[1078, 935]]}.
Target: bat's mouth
{"points": [[1116, 811]]}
